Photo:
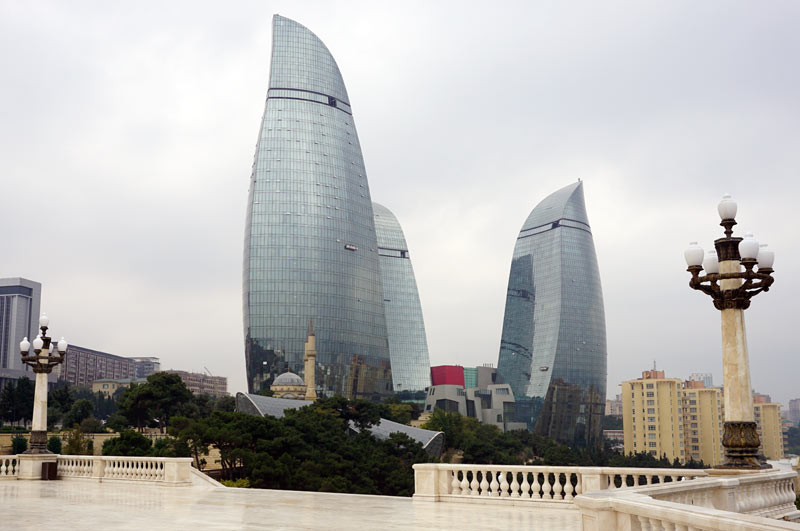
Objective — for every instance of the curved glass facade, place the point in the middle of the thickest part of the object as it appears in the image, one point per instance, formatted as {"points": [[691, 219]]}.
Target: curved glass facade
{"points": [[553, 347], [310, 245], [408, 347]]}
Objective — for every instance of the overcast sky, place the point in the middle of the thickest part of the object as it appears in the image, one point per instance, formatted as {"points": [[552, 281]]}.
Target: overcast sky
{"points": [[127, 133]]}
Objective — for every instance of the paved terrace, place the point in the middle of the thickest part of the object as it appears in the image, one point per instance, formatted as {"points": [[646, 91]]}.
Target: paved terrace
{"points": [[88, 504]]}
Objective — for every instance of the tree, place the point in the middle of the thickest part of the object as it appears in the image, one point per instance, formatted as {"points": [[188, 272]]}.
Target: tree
{"points": [[77, 443], [129, 443], [16, 401], [80, 410], [117, 422], [19, 444], [192, 433], [54, 444], [135, 404], [167, 395], [91, 425], [225, 403]]}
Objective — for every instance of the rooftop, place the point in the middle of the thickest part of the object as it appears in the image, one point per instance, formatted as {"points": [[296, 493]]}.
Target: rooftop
{"points": [[88, 504]]}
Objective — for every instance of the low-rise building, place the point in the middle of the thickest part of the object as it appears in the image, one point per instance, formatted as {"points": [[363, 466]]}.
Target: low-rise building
{"points": [[109, 386], [493, 404], [203, 384]]}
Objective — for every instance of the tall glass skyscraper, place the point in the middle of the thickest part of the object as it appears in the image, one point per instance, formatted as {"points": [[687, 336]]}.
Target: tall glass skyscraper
{"points": [[408, 347], [553, 347], [310, 245]]}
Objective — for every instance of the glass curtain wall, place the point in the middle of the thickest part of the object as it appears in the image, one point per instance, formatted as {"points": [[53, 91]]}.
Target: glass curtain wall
{"points": [[408, 346], [310, 245], [553, 346]]}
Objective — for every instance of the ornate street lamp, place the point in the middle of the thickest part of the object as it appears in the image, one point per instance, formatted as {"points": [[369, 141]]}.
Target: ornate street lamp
{"points": [[42, 361], [731, 280]]}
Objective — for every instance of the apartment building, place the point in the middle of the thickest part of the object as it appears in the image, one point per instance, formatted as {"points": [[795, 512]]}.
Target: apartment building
{"points": [[768, 420], [652, 412], [702, 422]]}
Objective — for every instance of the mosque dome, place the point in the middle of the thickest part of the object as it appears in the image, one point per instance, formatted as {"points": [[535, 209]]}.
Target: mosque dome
{"points": [[288, 378]]}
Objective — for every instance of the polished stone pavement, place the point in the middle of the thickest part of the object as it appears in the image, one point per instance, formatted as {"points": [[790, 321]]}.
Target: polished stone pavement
{"points": [[89, 505]]}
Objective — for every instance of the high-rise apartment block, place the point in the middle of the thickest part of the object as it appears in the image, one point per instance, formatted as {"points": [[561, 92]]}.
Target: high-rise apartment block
{"points": [[614, 407], [706, 377], [82, 366], [19, 318], [768, 421], [794, 412], [203, 384], [702, 422], [652, 411], [145, 366], [553, 344], [310, 248]]}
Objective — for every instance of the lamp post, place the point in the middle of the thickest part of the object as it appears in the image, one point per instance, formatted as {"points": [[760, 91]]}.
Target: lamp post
{"points": [[731, 279], [42, 361]]}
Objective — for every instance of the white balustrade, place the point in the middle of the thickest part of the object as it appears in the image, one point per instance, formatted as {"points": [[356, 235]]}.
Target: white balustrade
{"points": [[168, 470], [438, 481], [9, 467]]}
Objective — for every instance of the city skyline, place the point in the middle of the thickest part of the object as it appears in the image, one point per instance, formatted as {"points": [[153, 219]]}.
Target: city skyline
{"points": [[141, 120]]}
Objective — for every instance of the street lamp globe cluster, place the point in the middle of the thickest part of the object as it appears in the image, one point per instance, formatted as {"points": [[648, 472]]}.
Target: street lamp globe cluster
{"points": [[735, 271], [46, 355]]}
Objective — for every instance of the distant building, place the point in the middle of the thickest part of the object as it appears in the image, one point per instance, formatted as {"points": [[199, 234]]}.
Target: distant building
{"points": [[702, 422], [146, 366], [616, 438], [19, 318], [493, 404], [448, 375], [109, 386], [768, 420], [203, 384], [794, 412], [651, 412], [614, 407], [82, 366], [759, 398], [706, 377]]}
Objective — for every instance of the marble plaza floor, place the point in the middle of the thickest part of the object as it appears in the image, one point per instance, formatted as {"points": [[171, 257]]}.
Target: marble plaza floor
{"points": [[88, 505]]}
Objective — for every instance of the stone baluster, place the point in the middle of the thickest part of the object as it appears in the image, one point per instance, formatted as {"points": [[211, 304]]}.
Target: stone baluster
{"points": [[546, 486], [578, 484], [484, 484], [557, 487], [464, 483], [525, 488], [568, 489], [536, 487], [494, 486], [474, 485], [455, 483], [644, 523], [504, 486], [514, 486]]}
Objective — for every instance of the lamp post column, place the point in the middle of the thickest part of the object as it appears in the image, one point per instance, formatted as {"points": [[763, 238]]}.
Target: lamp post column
{"points": [[39, 425]]}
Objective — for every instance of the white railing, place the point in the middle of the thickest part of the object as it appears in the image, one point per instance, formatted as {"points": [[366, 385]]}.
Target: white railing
{"points": [[746, 501], [167, 470], [450, 482], [9, 466]]}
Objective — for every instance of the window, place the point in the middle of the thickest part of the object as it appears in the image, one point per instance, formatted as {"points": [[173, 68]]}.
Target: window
{"points": [[501, 391], [651, 419], [649, 386], [651, 411], [651, 402], [499, 417], [651, 435], [650, 394], [651, 444], [651, 428], [693, 410]]}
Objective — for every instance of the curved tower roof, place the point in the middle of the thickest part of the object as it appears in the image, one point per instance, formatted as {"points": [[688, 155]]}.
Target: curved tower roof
{"points": [[310, 244], [553, 347], [408, 346]]}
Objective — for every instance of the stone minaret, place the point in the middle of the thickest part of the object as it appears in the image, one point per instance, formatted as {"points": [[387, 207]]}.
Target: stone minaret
{"points": [[310, 363]]}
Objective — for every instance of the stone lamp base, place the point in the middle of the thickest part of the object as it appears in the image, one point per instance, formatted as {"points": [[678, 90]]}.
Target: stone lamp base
{"points": [[740, 440]]}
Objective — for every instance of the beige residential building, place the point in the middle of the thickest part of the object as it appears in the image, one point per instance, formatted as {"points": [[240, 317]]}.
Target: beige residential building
{"points": [[203, 384], [651, 415], [614, 407], [768, 419], [702, 423], [109, 386]]}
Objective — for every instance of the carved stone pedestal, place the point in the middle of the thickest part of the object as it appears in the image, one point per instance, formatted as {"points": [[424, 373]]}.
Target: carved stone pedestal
{"points": [[30, 465], [741, 442]]}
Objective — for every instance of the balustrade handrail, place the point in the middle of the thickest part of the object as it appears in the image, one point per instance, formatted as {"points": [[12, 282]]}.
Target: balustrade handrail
{"points": [[171, 470]]}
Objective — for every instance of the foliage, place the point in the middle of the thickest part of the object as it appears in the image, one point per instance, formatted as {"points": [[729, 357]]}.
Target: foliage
{"points": [[612, 422], [54, 444], [192, 433], [77, 443], [117, 422], [242, 483], [170, 447], [81, 409], [18, 444], [16, 401], [129, 443], [793, 440], [163, 396], [91, 425]]}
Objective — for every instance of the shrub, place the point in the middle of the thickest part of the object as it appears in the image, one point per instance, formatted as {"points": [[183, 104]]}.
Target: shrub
{"points": [[77, 443], [54, 444], [242, 483], [19, 444]]}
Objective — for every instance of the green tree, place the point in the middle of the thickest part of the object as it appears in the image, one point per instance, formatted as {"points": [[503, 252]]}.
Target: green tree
{"points": [[16, 401], [167, 395], [80, 410], [76, 443], [91, 425], [192, 433], [54, 444], [117, 422], [129, 443], [18, 444], [225, 403], [135, 405]]}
